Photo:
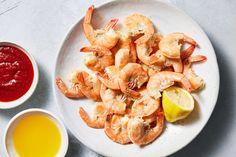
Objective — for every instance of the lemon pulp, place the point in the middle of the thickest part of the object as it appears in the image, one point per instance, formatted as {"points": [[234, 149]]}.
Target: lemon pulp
{"points": [[177, 104], [36, 136]]}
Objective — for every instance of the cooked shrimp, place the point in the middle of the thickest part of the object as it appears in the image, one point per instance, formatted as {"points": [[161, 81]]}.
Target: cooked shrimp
{"points": [[132, 76], [110, 78], [137, 24], [175, 63], [73, 92], [116, 128], [196, 81], [125, 42], [122, 58], [133, 52], [111, 24], [142, 133], [171, 44], [164, 79], [107, 37], [89, 86], [101, 59], [187, 52], [114, 100], [145, 106], [147, 53], [152, 69], [99, 117], [151, 119]]}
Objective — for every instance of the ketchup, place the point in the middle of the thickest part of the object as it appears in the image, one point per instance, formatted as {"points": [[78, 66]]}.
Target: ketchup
{"points": [[16, 73]]}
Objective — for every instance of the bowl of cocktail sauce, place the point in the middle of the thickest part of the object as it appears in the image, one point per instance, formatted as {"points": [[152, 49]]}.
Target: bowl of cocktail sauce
{"points": [[18, 75]]}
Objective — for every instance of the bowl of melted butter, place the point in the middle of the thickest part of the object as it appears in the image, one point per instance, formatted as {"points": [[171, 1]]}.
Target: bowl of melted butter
{"points": [[37, 133]]}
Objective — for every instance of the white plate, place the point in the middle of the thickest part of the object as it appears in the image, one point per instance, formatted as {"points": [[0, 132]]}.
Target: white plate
{"points": [[167, 18]]}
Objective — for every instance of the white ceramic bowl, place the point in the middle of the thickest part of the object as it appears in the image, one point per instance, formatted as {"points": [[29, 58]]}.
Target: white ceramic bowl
{"points": [[8, 142], [22, 99]]}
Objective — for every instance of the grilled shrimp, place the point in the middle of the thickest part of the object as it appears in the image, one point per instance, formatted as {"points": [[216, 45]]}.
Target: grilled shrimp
{"points": [[99, 117], [137, 24], [132, 76], [164, 79], [171, 44], [101, 59], [104, 37], [196, 81], [142, 133], [116, 128]]}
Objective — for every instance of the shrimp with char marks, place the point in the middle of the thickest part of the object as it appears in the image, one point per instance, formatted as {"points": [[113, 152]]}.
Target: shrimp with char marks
{"points": [[104, 37]]}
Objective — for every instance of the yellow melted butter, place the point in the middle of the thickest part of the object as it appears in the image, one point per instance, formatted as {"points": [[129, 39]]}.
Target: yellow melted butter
{"points": [[36, 136]]}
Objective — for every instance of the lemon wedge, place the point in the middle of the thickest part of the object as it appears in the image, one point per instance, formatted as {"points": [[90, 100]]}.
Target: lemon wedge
{"points": [[177, 103]]}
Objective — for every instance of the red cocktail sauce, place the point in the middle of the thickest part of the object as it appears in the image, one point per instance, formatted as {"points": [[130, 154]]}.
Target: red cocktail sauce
{"points": [[16, 73]]}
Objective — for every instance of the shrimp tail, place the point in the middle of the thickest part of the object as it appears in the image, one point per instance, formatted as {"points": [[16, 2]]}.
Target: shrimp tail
{"points": [[111, 24], [97, 49], [88, 121], [143, 39], [197, 58], [186, 84], [107, 82], [188, 52], [73, 93], [125, 89], [89, 13]]}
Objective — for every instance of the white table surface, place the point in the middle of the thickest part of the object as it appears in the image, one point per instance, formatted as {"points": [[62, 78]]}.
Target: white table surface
{"points": [[41, 25]]}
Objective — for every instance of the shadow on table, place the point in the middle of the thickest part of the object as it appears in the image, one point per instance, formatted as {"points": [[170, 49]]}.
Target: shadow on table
{"points": [[207, 141], [37, 100]]}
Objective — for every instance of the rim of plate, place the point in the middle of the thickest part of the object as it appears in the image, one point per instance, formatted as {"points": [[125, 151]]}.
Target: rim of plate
{"points": [[169, 4]]}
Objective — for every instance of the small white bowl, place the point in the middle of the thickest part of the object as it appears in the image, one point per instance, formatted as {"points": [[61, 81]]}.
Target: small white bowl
{"points": [[22, 99], [8, 141]]}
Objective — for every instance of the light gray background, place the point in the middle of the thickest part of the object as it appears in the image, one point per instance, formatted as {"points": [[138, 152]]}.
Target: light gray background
{"points": [[41, 25]]}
